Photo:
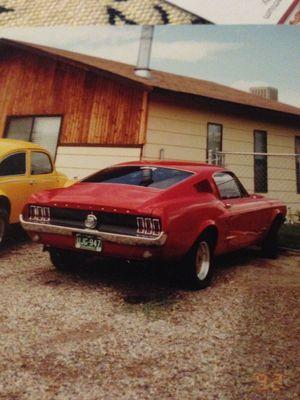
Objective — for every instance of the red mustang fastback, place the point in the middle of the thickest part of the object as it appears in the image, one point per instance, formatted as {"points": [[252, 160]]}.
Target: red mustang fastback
{"points": [[172, 211]]}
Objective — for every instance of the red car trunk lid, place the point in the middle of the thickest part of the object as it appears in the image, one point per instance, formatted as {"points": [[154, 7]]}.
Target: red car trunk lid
{"points": [[97, 195]]}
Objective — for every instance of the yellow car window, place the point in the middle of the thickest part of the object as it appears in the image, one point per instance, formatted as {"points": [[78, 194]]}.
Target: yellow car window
{"points": [[14, 164], [40, 164]]}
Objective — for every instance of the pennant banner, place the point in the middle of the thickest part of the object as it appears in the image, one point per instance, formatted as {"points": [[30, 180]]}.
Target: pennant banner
{"points": [[17, 13]]}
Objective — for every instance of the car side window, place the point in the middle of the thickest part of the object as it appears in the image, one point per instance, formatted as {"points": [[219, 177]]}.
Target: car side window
{"points": [[204, 186], [40, 163], [228, 185], [14, 164]]}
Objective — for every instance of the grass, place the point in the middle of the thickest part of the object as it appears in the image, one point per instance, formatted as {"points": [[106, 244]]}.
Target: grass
{"points": [[289, 236]]}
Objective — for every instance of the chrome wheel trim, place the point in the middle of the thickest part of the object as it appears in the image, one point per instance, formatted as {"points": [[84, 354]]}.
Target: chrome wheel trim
{"points": [[2, 230], [202, 260]]}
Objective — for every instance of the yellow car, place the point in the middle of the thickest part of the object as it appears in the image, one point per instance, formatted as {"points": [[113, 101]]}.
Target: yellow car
{"points": [[25, 168]]}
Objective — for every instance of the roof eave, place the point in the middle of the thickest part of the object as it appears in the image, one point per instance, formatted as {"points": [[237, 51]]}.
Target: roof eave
{"points": [[78, 64], [152, 84], [240, 106]]}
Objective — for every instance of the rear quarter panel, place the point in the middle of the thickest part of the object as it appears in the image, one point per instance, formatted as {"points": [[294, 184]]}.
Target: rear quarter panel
{"points": [[277, 208], [186, 213], [186, 216]]}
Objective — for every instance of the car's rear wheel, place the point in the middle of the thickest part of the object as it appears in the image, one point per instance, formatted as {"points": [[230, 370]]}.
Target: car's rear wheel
{"points": [[3, 227], [66, 260], [199, 263], [269, 245]]}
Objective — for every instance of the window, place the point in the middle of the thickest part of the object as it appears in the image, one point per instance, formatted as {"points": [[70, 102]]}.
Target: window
{"points": [[13, 165], [297, 151], [40, 164], [228, 185], [214, 138], [155, 177], [41, 130], [260, 162], [203, 186]]}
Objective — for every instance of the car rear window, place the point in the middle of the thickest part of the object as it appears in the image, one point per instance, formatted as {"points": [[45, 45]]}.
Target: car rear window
{"points": [[155, 177]]}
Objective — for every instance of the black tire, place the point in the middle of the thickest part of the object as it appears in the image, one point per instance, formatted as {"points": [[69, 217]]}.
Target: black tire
{"points": [[3, 227], [269, 246], [65, 260], [200, 276]]}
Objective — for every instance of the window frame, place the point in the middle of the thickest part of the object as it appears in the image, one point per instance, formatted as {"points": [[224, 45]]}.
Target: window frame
{"points": [[49, 158], [13, 154], [255, 131], [34, 116], [242, 189], [207, 136]]}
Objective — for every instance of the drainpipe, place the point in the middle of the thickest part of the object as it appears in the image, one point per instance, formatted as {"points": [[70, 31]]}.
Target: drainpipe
{"points": [[143, 64]]}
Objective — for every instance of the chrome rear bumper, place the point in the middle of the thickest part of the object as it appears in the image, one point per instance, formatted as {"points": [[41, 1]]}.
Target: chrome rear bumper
{"points": [[105, 236]]}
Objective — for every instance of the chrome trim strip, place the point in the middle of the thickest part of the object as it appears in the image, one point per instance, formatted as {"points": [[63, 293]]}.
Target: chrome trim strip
{"points": [[109, 237], [231, 237]]}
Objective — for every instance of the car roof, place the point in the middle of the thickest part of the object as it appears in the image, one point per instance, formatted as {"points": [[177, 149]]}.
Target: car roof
{"points": [[8, 145], [184, 165]]}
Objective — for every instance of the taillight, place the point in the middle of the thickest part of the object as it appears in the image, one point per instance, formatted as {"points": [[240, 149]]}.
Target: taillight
{"points": [[148, 226], [39, 214]]}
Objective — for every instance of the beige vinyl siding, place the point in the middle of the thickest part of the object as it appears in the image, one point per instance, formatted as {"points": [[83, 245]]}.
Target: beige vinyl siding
{"points": [[80, 161], [181, 130]]}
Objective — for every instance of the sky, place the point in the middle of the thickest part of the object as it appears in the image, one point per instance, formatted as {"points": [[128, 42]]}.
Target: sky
{"points": [[237, 56]]}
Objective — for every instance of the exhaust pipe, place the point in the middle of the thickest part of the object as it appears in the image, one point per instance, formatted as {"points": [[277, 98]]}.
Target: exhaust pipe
{"points": [[143, 64]]}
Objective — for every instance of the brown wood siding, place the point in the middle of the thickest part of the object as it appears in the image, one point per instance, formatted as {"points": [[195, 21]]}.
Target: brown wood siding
{"points": [[95, 110]]}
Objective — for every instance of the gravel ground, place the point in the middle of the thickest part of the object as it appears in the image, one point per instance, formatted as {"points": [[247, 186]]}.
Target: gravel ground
{"points": [[119, 331]]}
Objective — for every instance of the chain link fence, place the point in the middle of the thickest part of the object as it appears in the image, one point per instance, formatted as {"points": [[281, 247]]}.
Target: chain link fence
{"points": [[274, 175]]}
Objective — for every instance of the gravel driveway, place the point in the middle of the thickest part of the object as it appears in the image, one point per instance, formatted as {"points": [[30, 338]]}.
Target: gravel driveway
{"points": [[119, 331]]}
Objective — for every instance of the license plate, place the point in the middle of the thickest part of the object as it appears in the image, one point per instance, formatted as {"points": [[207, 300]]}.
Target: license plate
{"points": [[87, 242]]}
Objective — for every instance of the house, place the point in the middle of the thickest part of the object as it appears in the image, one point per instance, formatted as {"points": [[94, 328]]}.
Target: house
{"points": [[91, 113]]}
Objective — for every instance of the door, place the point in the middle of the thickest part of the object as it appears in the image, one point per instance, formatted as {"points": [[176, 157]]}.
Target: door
{"points": [[42, 174], [247, 216], [15, 182]]}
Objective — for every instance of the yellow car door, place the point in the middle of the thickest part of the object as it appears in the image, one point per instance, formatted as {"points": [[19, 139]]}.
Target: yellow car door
{"points": [[42, 173], [15, 182]]}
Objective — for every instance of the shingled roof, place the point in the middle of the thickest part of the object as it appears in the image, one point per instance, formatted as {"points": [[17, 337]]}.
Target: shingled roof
{"points": [[92, 12], [159, 79]]}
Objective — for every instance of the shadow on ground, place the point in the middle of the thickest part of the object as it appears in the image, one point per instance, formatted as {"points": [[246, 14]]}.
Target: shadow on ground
{"points": [[145, 283], [136, 283], [17, 236]]}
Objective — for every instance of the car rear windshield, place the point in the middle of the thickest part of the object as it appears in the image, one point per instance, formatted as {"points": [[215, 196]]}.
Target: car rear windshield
{"points": [[155, 177]]}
